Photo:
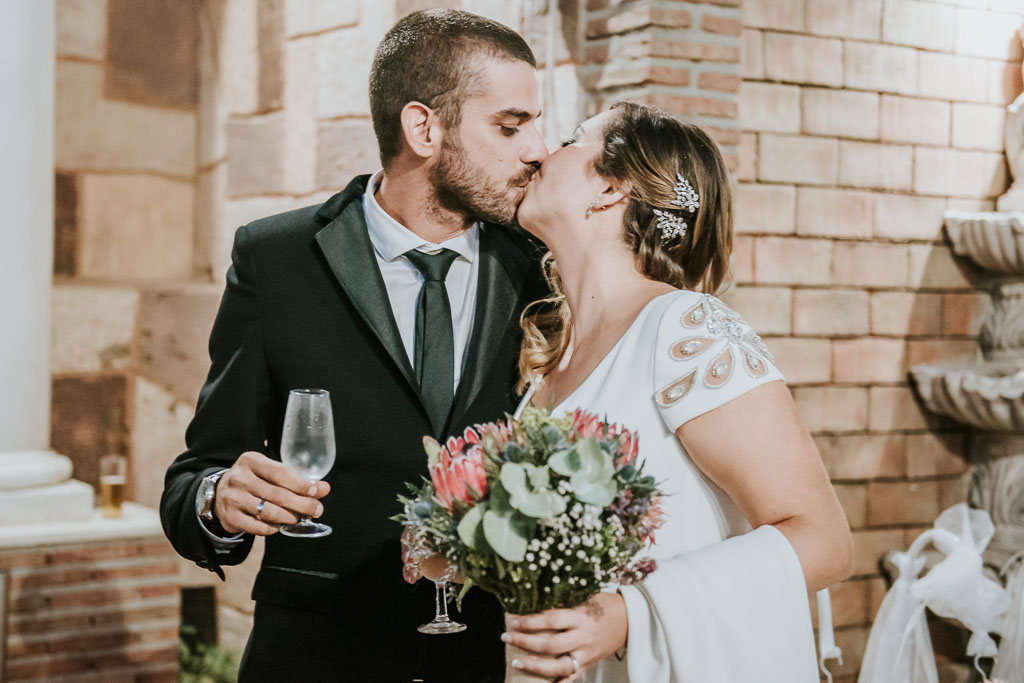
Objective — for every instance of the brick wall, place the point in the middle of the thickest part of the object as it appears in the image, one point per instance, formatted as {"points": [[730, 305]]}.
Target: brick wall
{"points": [[862, 122], [84, 611]]}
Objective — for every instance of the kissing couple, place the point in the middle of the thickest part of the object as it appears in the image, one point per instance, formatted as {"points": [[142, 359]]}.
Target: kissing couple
{"points": [[477, 273]]}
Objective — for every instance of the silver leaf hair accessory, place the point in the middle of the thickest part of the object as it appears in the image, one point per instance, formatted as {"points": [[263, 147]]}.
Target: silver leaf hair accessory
{"points": [[686, 197], [671, 225]]}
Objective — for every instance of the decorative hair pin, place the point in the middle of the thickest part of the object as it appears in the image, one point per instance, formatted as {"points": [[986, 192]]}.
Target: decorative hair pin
{"points": [[687, 199], [686, 196], [671, 225]]}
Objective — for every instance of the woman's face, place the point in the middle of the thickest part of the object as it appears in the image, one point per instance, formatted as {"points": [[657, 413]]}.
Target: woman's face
{"points": [[566, 184]]}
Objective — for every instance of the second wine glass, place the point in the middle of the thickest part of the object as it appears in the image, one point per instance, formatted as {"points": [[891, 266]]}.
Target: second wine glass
{"points": [[307, 446]]}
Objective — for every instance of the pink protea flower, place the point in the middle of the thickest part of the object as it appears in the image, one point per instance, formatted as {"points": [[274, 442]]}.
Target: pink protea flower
{"points": [[459, 477], [587, 424], [629, 448]]}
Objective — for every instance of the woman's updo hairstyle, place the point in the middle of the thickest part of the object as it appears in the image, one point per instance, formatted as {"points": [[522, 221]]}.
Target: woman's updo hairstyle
{"points": [[644, 149]]}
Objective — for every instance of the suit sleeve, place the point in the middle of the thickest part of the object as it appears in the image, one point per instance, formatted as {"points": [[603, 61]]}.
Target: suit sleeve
{"points": [[230, 415]]}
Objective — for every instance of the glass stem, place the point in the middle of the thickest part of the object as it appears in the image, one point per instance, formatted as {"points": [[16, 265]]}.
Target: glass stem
{"points": [[442, 602]]}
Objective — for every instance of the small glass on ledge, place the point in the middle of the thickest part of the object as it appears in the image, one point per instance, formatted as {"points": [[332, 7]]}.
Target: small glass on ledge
{"points": [[113, 477]]}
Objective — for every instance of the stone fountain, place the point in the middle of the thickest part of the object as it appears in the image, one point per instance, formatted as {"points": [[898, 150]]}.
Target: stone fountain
{"points": [[989, 395]]}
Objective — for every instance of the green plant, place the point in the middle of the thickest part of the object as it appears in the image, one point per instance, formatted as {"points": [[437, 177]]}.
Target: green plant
{"points": [[203, 663]]}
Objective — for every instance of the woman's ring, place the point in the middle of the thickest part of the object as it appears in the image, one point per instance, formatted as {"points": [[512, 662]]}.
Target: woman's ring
{"points": [[259, 508], [575, 663]]}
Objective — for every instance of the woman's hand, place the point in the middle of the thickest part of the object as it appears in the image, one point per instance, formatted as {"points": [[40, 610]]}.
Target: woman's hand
{"points": [[588, 633]]}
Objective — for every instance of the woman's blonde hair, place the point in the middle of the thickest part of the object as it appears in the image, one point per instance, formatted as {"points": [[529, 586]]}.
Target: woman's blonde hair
{"points": [[644, 149]]}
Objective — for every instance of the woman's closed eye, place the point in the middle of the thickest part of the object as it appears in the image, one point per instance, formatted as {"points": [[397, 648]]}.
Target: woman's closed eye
{"points": [[570, 141]]}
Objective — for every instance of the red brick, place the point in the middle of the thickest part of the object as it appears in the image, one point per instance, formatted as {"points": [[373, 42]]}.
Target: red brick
{"points": [[864, 456], [62, 576], [748, 157], [902, 313], [832, 409], [752, 55], [743, 259], [849, 603], [723, 25], [798, 159], [902, 502], [709, 80], [801, 360], [853, 642], [681, 104], [790, 260], [870, 265], [963, 314], [723, 137], [895, 408], [951, 492], [637, 16], [764, 208], [941, 351], [682, 49], [869, 359], [930, 455], [835, 213], [619, 76], [870, 546], [830, 311], [854, 499], [933, 266]]}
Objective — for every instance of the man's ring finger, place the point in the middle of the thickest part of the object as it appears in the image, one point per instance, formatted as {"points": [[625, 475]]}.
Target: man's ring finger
{"points": [[259, 508], [575, 663]]}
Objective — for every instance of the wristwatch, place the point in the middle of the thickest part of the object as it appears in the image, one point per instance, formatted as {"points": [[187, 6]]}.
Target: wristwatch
{"points": [[205, 495]]}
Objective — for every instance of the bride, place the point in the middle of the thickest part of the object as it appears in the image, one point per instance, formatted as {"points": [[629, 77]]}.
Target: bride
{"points": [[635, 209]]}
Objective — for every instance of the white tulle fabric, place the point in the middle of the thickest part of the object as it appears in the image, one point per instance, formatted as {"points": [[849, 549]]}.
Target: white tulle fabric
{"points": [[899, 648]]}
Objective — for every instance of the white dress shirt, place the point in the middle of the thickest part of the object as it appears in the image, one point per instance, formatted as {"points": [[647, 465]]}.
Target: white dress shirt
{"points": [[391, 240]]}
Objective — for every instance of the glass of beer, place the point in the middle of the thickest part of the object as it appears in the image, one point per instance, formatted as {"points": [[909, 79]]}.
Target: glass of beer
{"points": [[113, 476]]}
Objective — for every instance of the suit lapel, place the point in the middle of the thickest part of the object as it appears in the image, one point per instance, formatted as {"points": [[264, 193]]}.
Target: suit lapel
{"points": [[501, 278], [346, 246]]}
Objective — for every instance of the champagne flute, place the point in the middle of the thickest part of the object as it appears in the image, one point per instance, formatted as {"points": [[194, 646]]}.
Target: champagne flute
{"points": [[307, 446], [440, 571]]}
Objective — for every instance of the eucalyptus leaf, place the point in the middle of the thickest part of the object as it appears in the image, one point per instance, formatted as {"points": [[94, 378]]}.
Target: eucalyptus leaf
{"points": [[508, 535], [565, 462], [600, 494], [529, 490], [471, 528]]}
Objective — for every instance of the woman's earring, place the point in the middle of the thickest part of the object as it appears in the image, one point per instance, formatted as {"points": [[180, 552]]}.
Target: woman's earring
{"points": [[590, 209]]}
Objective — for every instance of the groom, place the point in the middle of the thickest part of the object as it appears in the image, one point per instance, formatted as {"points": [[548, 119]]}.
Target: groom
{"points": [[401, 296]]}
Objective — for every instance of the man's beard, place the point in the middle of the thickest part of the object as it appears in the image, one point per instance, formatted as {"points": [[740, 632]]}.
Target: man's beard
{"points": [[467, 190]]}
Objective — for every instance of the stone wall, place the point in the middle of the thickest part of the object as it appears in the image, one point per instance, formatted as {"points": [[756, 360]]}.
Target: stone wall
{"points": [[851, 126], [863, 121]]}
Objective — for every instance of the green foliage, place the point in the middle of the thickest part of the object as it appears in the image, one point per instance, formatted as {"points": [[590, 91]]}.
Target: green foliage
{"points": [[204, 663]]}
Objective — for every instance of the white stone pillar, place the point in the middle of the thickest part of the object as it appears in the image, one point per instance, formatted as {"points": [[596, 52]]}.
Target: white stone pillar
{"points": [[33, 480]]}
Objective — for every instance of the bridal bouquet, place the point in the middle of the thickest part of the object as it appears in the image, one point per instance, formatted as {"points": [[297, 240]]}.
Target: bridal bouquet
{"points": [[542, 512]]}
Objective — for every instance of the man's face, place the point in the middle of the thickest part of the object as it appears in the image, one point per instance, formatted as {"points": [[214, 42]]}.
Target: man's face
{"points": [[485, 164]]}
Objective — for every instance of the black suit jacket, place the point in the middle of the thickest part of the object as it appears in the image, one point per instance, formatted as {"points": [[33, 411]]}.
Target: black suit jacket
{"points": [[305, 306]]}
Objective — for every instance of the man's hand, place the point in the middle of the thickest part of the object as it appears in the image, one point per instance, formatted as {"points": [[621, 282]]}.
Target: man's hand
{"points": [[253, 478]]}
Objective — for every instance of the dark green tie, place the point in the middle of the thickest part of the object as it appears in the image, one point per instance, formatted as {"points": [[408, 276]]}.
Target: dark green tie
{"points": [[435, 341]]}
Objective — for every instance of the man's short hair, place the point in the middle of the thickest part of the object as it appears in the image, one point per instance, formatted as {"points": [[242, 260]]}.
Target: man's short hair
{"points": [[433, 57]]}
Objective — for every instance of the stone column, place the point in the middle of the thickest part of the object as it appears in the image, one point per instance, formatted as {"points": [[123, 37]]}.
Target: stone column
{"points": [[33, 481]]}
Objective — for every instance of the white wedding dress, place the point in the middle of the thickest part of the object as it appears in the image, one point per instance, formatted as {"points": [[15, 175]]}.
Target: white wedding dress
{"points": [[726, 604]]}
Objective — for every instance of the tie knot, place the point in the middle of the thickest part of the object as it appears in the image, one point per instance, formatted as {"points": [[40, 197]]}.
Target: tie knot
{"points": [[433, 267]]}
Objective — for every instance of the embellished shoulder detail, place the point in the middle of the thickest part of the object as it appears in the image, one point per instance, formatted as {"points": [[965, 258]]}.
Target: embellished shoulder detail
{"points": [[704, 326]]}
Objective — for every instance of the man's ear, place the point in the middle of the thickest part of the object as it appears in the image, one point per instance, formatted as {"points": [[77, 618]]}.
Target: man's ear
{"points": [[421, 129]]}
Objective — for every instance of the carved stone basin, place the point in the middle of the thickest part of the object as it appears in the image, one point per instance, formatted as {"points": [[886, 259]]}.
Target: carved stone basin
{"points": [[992, 239], [987, 395]]}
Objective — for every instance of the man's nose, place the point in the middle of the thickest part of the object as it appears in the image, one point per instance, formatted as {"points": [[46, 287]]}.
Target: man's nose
{"points": [[536, 151]]}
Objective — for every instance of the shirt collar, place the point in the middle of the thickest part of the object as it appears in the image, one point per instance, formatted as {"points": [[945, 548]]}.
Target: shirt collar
{"points": [[391, 239]]}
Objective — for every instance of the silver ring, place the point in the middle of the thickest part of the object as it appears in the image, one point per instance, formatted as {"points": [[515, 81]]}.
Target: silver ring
{"points": [[259, 508], [575, 663]]}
